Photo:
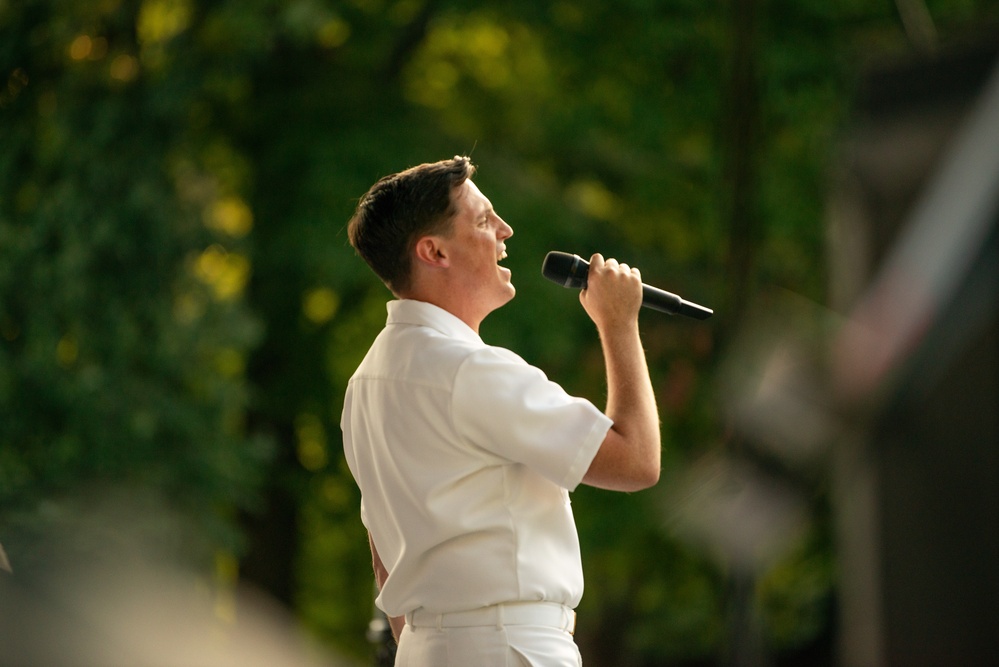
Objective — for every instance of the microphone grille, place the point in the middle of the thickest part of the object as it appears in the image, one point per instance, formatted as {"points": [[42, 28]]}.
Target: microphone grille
{"points": [[565, 269]]}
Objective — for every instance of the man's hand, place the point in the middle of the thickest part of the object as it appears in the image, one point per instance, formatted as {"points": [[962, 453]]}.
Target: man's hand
{"points": [[613, 294]]}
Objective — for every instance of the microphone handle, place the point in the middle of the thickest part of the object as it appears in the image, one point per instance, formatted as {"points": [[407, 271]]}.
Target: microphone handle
{"points": [[661, 300], [667, 302]]}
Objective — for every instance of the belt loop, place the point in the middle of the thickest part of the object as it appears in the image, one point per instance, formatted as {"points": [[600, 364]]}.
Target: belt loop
{"points": [[499, 617], [440, 622]]}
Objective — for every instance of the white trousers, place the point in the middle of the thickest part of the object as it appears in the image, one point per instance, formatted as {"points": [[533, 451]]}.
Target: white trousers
{"points": [[440, 641]]}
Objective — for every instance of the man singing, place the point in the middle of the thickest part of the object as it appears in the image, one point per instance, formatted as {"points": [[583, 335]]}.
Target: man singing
{"points": [[464, 454]]}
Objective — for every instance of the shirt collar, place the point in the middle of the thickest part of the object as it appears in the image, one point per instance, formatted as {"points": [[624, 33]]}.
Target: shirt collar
{"points": [[421, 313]]}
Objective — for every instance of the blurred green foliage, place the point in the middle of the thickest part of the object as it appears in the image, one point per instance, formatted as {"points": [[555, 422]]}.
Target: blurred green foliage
{"points": [[180, 309]]}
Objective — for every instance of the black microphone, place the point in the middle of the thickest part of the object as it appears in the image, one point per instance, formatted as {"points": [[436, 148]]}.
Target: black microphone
{"points": [[571, 271]]}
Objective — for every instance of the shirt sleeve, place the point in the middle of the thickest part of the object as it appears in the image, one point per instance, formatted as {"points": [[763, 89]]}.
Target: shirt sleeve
{"points": [[509, 408]]}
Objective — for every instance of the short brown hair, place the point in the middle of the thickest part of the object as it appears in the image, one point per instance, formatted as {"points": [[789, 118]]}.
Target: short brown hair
{"points": [[399, 209]]}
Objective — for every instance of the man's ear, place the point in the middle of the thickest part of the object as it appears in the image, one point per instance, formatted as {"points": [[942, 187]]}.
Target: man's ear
{"points": [[430, 250]]}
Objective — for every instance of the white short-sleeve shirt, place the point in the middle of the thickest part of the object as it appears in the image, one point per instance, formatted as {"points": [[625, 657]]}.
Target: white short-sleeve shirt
{"points": [[465, 456]]}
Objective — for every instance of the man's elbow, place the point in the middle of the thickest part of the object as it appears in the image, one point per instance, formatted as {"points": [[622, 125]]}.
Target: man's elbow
{"points": [[647, 477], [641, 478], [649, 467], [624, 464]]}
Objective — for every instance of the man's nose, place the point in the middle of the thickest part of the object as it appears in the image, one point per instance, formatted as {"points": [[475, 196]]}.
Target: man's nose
{"points": [[505, 230]]}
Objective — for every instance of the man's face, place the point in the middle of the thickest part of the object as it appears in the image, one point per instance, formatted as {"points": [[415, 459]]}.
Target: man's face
{"points": [[477, 244]]}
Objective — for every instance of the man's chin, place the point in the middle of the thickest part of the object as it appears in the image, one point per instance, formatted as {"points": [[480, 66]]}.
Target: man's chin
{"points": [[507, 296]]}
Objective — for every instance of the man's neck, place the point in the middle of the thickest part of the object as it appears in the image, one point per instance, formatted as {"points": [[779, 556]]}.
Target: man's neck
{"points": [[444, 299]]}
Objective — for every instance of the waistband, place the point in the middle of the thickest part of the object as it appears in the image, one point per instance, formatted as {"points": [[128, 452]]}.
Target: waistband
{"points": [[550, 614]]}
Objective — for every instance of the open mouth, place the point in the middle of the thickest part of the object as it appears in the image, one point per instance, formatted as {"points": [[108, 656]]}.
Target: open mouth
{"points": [[499, 258]]}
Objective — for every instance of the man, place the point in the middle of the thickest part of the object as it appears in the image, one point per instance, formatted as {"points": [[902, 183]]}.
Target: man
{"points": [[464, 453]]}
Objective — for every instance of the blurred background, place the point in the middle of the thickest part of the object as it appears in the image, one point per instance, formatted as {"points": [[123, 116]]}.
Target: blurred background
{"points": [[180, 311]]}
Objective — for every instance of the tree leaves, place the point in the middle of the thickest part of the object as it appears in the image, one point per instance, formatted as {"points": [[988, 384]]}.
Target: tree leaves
{"points": [[180, 309]]}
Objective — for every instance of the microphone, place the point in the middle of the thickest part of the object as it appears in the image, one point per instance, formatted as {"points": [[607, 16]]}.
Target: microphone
{"points": [[571, 271]]}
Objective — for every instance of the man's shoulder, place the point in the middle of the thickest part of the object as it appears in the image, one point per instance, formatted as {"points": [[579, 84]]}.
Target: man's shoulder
{"points": [[417, 353]]}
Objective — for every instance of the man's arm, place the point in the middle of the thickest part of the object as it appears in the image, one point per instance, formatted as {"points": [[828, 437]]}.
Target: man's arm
{"points": [[629, 459], [381, 574]]}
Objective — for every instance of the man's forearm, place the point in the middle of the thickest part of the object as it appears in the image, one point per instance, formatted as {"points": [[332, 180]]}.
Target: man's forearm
{"points": [[381, 574], [397, 623], [631, 401], [629, 457]]}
